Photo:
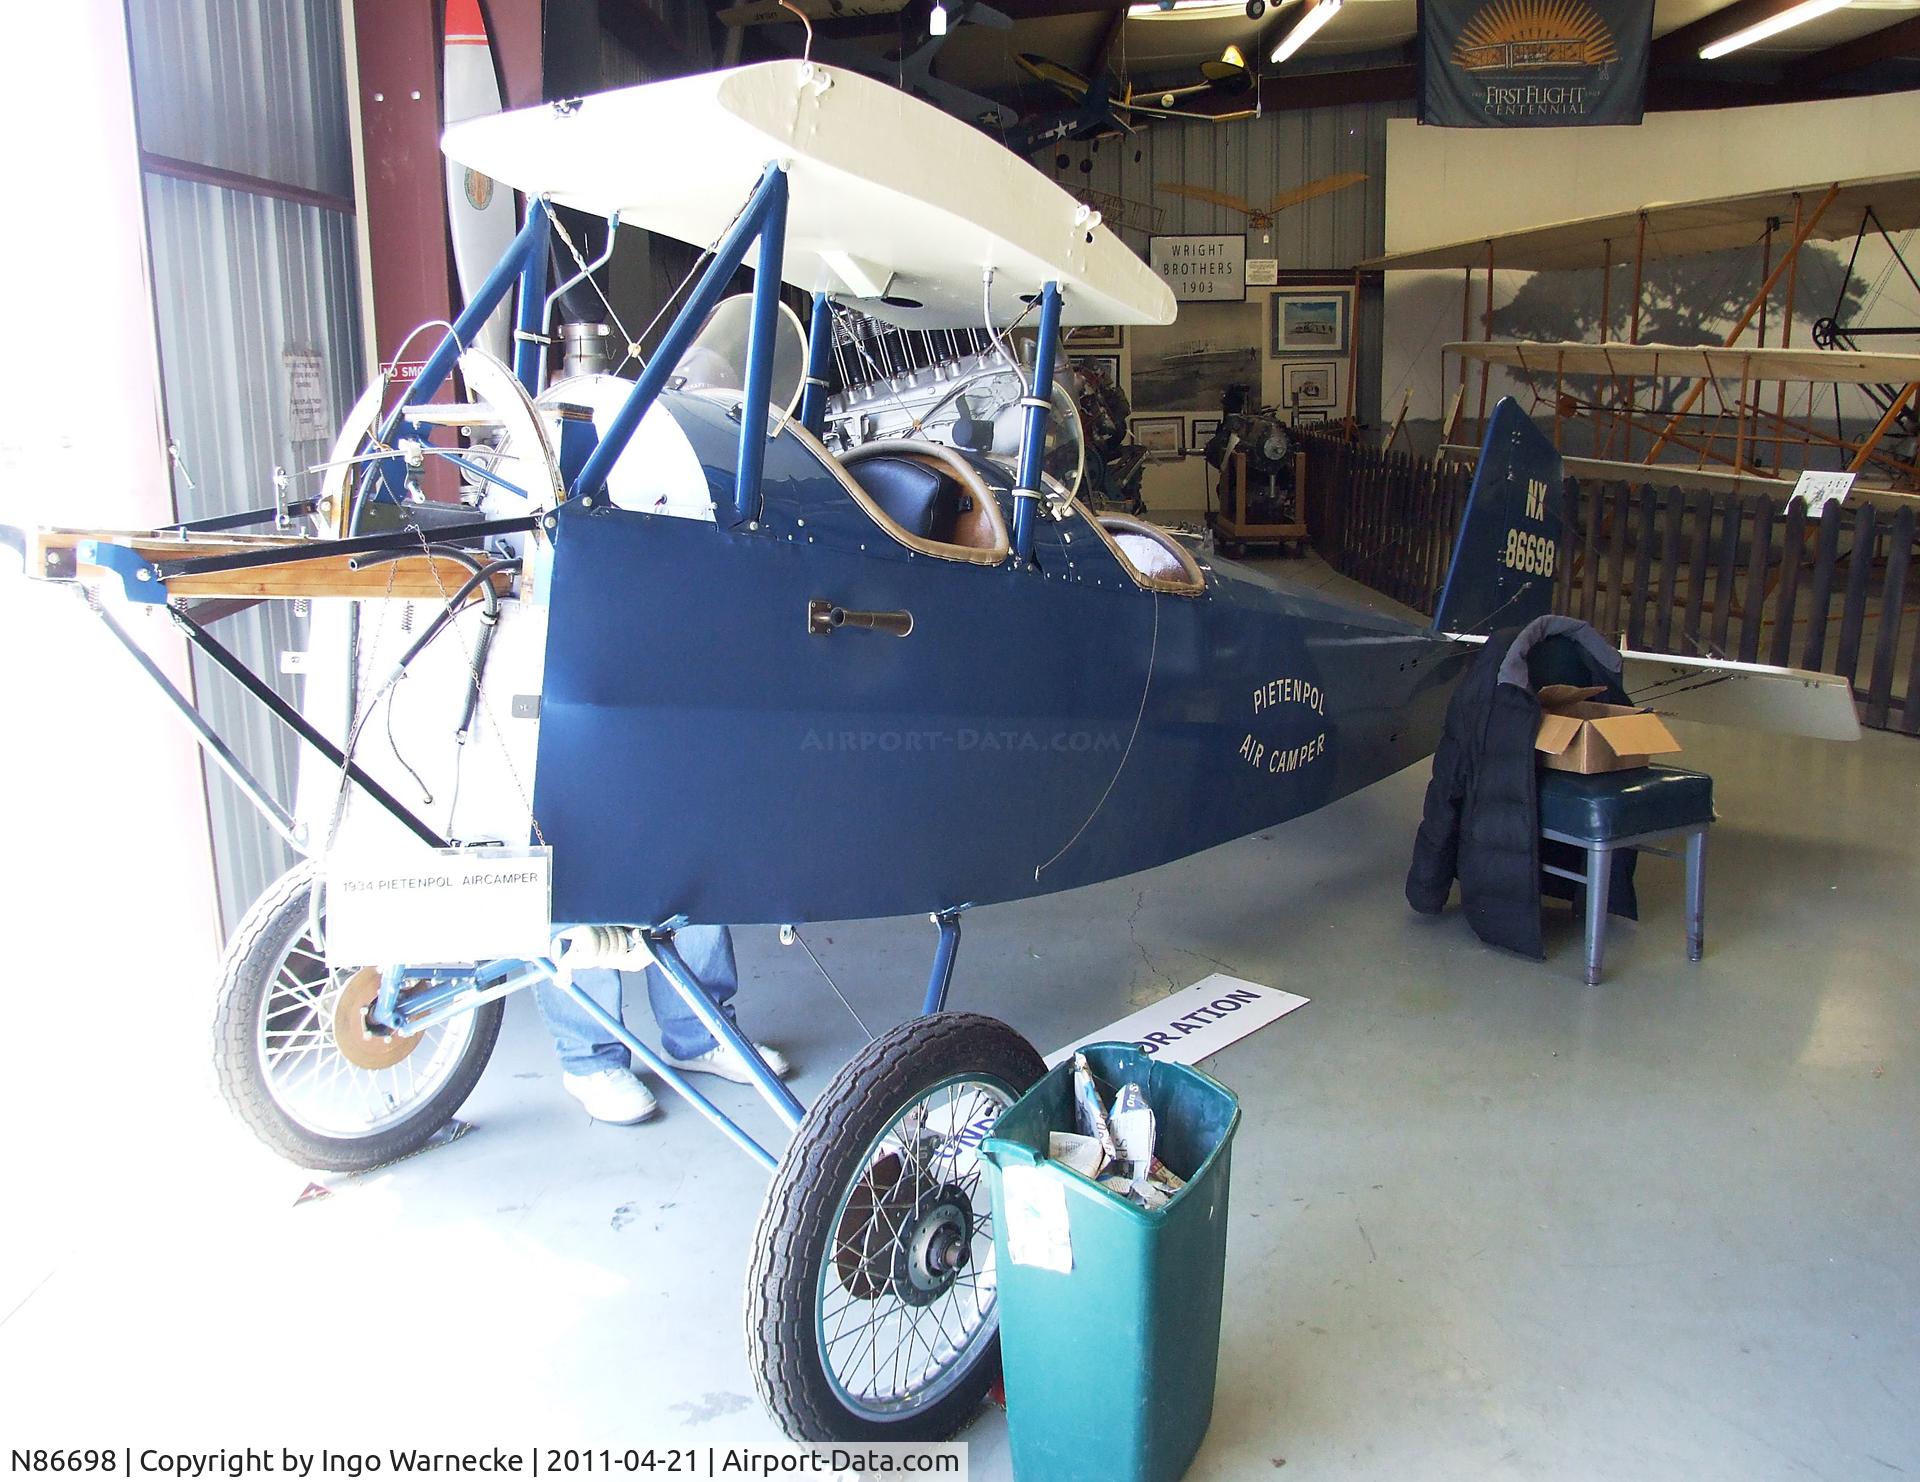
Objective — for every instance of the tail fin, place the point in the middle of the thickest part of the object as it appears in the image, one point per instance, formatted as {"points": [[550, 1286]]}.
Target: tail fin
{"points": [[1504, 558]]}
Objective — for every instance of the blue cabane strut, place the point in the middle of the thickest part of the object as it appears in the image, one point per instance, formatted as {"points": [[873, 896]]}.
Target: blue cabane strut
{"points": [[764, 220], [1033, 442]]}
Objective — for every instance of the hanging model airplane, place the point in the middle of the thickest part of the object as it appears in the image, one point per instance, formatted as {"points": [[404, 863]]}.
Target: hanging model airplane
{"points": [[679, 661], [1103, 107], [911, 70]]}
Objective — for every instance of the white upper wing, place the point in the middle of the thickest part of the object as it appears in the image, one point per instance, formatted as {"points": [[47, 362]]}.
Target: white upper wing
{"points": [[894, 207]]}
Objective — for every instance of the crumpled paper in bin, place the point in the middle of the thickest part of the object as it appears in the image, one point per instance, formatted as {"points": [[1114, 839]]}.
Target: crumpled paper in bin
{"points": [[1115, 1144]]}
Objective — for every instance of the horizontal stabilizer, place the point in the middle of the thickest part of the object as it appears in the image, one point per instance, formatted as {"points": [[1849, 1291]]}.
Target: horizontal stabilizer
{"points": [[1755, 697]]}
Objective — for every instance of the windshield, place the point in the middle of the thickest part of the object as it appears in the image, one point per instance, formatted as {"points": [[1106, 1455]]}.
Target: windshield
{"points": [[717, 358]]}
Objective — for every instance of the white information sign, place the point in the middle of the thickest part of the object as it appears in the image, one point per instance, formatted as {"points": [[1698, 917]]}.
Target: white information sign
{"points": [[439, 906], [1188, 1026], [1821, 489], [1263, 272], [1210, 268], [306, 396]]}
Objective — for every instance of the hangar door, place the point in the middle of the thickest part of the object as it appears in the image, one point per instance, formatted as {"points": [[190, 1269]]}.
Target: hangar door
{"points": [[246, 164]]}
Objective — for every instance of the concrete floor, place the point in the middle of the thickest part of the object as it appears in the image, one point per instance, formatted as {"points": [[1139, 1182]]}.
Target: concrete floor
{"points": [[1487, 1222]]}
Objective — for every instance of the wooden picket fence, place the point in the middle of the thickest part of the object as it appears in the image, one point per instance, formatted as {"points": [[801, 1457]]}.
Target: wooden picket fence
{"points": [[1665, 568]]}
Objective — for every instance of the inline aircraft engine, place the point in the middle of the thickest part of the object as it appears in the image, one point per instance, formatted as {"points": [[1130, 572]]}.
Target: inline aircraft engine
{"points": [[956, 387]]}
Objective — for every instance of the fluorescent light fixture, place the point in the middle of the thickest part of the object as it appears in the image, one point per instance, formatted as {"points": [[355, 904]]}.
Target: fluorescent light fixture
{"points": [[1786, 20], [1147, 10], [1312, 21], [937, 20]]}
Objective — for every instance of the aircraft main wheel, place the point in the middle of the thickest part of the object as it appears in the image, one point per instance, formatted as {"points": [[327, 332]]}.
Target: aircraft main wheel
{"points": [[298, 1063], [871, 1311]]}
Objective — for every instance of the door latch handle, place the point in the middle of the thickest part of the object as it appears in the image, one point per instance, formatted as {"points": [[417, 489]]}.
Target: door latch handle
{"points": [[823, 617]]}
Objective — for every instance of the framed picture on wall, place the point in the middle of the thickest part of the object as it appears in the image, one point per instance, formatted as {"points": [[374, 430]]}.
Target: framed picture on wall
{"points": [[1307, 383], [1309, 419], [1077, 337], [1187, 366], [1200, 431], [1162, 437], [1306, 321], [1106, 365]]}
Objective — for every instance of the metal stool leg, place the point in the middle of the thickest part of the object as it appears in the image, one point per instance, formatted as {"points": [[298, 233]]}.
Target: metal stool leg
{"points": [[1599, 882], [1696, 893]]}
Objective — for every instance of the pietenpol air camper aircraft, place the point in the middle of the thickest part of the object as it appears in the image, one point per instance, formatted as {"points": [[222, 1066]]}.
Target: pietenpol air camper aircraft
{"points": [[789, 627]]}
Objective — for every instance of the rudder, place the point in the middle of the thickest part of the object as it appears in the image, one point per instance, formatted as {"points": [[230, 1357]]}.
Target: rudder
{"points": [[1504, 558]]}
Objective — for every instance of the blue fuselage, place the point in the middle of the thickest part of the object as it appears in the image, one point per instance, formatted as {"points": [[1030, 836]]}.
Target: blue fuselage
{"points": [[702, 754]]}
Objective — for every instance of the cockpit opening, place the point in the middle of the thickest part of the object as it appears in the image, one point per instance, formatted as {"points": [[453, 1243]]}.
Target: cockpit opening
{"points": [[926, 496], [1150, 555]]}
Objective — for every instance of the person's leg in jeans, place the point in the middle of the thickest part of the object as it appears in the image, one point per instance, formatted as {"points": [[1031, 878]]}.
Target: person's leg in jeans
{"points": [[594, 1065], [708, 954], [582, 1045]]}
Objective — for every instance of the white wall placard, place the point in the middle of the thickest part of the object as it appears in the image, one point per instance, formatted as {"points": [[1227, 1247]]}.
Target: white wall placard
{"points": [[1821, 489], [1263, 272], [1212, 268], [306, 396], [439, 906], [1196, 1022]]}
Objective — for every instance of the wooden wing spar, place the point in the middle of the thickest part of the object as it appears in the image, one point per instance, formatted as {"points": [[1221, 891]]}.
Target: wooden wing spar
{"points": [[1743, 432], [895, 208], [1677, 228], [1751, 363]]}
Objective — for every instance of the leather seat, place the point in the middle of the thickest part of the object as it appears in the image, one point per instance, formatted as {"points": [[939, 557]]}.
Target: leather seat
{"points": [[1622, 805], [1150, 558], [919, 499], [1153, 553]]}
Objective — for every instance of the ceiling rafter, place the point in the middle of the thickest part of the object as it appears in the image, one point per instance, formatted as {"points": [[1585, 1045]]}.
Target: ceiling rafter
{"points": [[1901, 39], [913, 14], [1683, 44], [1096, 61], [1287, 93]]}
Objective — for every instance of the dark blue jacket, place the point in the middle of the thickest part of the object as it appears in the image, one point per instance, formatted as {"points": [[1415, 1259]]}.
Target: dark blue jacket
{"points": [[1481, 822]]}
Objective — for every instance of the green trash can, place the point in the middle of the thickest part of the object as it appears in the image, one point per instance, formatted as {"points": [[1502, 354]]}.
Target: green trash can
{"points": [[1110, 1364]]}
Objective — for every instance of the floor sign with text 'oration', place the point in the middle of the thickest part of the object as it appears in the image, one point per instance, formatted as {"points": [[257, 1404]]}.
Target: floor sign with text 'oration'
{"points": [[1188, 1026]]}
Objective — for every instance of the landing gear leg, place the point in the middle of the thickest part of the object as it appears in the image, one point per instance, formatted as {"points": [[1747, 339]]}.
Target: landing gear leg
{"points": [[772, 1089], [941, 978]]}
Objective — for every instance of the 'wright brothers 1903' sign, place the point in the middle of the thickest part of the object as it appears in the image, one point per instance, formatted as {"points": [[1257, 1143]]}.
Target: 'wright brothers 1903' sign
{"points": [[1533, 63]]}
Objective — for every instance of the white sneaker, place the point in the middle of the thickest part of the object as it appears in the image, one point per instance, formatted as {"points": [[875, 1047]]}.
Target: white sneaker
{"points": [[614, 1096], [721, 1060]]}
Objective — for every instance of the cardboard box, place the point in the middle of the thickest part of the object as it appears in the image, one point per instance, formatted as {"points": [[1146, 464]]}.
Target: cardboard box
{"points": [[1577, 734]]}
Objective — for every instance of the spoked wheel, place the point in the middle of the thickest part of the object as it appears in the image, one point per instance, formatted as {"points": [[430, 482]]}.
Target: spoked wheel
{"points": [[871, 1300], [296, 1059]]}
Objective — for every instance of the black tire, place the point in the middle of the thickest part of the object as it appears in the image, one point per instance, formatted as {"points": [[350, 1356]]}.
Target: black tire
{"points": [[274, 936], [823, 1170]]}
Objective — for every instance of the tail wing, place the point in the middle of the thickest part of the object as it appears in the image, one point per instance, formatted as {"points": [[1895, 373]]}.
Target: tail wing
{"points": [[1503, 559]]}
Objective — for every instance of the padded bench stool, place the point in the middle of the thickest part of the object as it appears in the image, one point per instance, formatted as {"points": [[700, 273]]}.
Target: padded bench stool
{"points": [[1605, 811]]}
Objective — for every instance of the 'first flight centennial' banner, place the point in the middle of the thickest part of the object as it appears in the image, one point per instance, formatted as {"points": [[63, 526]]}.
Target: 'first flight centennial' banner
{"points": [[1504, 64]]}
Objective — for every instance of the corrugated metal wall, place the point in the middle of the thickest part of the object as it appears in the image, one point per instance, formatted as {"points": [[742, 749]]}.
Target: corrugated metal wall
{"points": [[257, 86], [1256, 159], [242, 280]]}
